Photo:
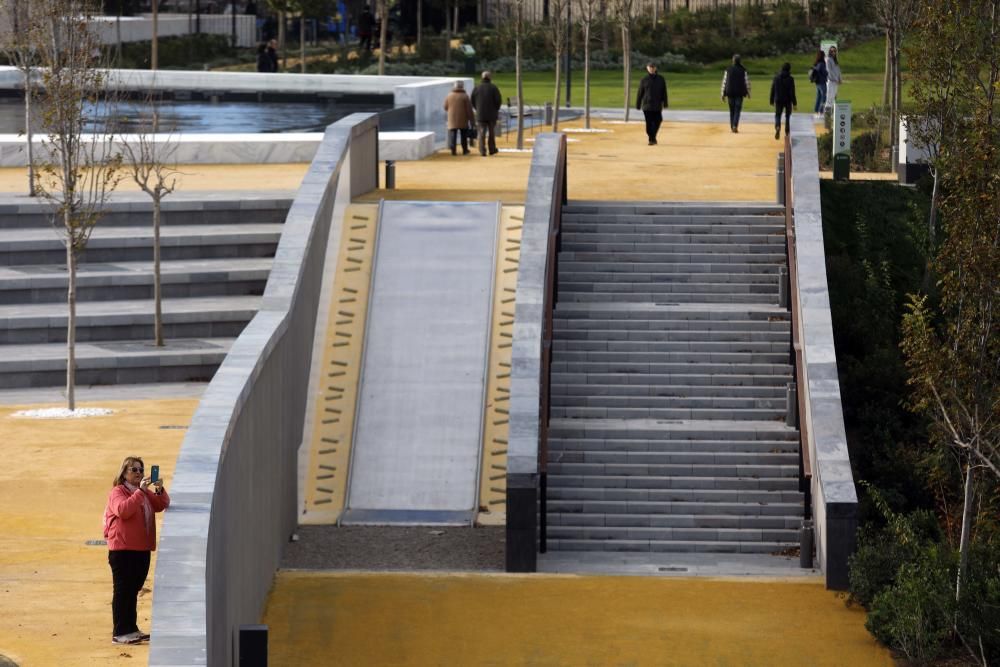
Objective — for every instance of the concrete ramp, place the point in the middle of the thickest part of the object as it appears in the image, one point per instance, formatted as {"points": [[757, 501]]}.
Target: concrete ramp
{"points": [[418, 432]]}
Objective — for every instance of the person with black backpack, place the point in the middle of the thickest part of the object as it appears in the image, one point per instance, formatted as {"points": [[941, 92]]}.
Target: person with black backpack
{"points": [[735, 86], [818, 75], [783, 99]]}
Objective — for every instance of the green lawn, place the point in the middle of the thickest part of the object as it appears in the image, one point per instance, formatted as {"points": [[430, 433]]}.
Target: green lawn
{"points": [[862, 68]]}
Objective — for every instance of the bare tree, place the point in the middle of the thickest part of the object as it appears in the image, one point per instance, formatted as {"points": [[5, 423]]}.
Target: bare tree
{"points": [[82, 170], [150, 158], [557, 35], [518, 21], [625, 9], [383, 35], [587, 11], [896, 16], [154, 56], [20, 49]]}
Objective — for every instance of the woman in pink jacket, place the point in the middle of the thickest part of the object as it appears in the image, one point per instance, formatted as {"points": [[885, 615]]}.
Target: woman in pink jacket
{"points": [[130, 530]]}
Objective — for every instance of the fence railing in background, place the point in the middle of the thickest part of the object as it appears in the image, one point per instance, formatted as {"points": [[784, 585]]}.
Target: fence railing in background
{"points": [[801, 389], [527, 446], [234, 487], [534, 10]]}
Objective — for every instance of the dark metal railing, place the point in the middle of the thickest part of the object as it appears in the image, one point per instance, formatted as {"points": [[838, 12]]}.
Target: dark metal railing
{"points": [[798, 365], [551, 286]]}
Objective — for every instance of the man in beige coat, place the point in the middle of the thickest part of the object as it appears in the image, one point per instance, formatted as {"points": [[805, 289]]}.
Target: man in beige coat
{"points": [[460, 116]]}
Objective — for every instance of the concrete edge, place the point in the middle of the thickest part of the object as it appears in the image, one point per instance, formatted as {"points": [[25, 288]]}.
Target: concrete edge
{"points": [[834, 495]]}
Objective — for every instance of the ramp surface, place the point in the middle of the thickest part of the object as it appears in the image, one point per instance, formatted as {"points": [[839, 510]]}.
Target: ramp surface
{"points": [[419, 423]]}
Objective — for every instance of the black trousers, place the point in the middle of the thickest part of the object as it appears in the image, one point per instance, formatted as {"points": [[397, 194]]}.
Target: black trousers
{"points": [[453, 139], [653, 121], [735, 108], [787, 109], [484, 127], [128, 572]]}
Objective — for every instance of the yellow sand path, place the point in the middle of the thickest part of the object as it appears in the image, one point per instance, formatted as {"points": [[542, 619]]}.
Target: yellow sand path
{"points": [[55, 591], [413, 619]]}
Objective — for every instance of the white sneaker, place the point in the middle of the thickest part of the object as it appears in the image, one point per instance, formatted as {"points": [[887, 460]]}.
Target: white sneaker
{"points": [[130, 638]]}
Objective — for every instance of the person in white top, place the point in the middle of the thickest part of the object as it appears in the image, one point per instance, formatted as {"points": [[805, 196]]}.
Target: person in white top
{"points": [[833, 77]]}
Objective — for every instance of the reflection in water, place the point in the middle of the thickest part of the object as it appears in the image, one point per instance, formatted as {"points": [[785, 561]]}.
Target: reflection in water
{"points": [[202, 117]]}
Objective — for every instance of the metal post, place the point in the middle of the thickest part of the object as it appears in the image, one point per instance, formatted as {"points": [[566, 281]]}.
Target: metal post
{"points": [[390, 174], [791, 405], [548, 113], [806, 544], [780, 179], [569, 51], [252, 646], [783, 287]]}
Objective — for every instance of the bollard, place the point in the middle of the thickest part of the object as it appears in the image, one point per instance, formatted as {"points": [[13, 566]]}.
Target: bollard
{"points": [[895, 159], [783, 287], [791, 405], [780, 179], [548, 113], [252, 646], [390, 174], [806, 544]]}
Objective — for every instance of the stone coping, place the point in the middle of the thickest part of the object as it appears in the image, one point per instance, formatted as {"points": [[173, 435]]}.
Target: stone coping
{"points": [[834, 495], [222, 148], [233, 495]]}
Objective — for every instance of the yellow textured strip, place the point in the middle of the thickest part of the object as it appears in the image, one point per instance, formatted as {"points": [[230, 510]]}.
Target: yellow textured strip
{"points": [[333, 420], [493, 475]]}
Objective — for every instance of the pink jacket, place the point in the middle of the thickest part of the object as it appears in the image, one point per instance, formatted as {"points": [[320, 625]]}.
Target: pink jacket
{"points": [[127, 526]]}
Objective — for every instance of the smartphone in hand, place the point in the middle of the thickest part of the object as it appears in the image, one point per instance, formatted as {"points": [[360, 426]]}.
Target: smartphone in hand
{"points": [[154, 474]]}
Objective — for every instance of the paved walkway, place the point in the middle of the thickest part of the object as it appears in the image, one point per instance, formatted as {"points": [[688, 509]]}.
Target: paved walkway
{"points": [[55, 588], [482, 619]]}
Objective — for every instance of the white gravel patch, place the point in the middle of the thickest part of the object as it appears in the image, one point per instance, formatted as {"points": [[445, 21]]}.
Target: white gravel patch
{"points": [[63, 413], [515, 150], [584, 130]]}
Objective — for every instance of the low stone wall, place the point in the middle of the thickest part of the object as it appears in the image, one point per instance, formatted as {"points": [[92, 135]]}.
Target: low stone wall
{"points": [[542, 210], [835, 499], [234, 492], [283, 148]]}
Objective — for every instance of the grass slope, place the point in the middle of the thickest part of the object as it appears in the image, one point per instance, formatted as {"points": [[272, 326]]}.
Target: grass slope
{"points": [[862, 67]]}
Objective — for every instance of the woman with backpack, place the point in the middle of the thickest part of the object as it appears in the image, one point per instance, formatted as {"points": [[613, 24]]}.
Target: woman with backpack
{"points": [[818, 76]]}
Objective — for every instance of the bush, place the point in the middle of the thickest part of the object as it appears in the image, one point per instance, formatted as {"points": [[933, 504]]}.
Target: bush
{"points": [[188, 52], [914, 615]]}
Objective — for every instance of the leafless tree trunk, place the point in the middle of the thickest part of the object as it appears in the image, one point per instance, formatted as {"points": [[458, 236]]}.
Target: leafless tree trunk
{"points": [[282, 40], [624, 9], [519, 75], [19, 48], [963, 542], [383, 35], [420, 22], [82, 169], [447, 32], [154, 61], [302, 43], [557, 33]]}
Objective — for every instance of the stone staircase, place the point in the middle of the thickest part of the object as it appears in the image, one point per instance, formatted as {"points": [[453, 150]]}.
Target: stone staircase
{"points": [[216, 254], [669, 369]]}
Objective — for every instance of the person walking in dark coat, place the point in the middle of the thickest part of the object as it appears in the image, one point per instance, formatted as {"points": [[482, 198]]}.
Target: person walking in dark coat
{"points": [[366, 25], [819, 76], [783, 99], [486, 100], [735, 86], [652, 100]]}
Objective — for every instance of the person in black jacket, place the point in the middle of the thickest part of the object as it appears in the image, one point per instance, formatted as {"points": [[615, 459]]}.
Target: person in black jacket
{"points": [[735, 86], [486, 100], [366, 25], [652, 100], [783, 99]]}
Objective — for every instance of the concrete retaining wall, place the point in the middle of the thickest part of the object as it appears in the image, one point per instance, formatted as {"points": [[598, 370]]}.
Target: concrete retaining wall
{"points": [[140, 28], [234, 492], [834, 497], [542, 209]]}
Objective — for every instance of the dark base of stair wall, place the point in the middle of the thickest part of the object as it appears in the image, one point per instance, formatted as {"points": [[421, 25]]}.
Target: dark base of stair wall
{"points": [[522, 523], [841, 540]]}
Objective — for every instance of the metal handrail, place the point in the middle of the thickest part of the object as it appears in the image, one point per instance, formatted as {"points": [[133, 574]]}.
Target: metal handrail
{"points": [[801, 389], [551, 286]]}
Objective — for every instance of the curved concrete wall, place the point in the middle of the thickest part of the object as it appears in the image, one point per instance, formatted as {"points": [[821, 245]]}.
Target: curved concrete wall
{"points": [[234, 493], [835, 499]]}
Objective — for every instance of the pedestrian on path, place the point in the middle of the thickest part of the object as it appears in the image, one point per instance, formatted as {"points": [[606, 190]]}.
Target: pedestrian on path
{"points": [[366, 25], [783, 99], [130, 529], [818, 75], [460, 117], [486, 100], [833, 77], [735, 86], [652, 100]]}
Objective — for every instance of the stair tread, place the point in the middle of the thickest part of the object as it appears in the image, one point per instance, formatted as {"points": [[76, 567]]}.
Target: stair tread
{"points": [[127, 308], [44, 354], [36, 273]]}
